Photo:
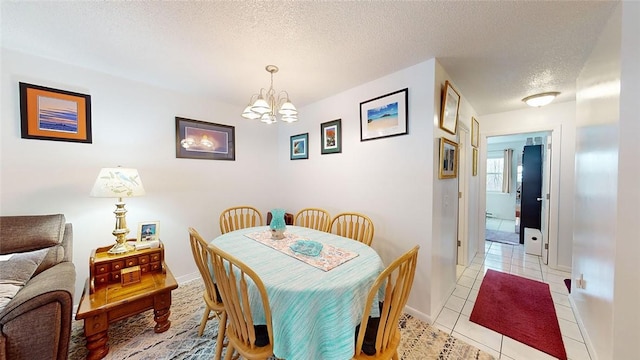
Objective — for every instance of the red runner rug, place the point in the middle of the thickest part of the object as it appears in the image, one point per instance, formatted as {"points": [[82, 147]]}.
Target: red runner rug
{"points": [[521, 309]]}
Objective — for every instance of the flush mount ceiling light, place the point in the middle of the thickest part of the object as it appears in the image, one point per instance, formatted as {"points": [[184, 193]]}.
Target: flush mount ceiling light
{"points": [[264, 105], [542, 99]]}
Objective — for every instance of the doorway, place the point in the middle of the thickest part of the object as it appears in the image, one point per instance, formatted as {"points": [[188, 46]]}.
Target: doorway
{"points": [[514, 195]]}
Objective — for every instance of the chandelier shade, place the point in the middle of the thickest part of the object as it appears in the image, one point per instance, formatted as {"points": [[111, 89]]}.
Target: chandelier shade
{"points": [[265, 105]]}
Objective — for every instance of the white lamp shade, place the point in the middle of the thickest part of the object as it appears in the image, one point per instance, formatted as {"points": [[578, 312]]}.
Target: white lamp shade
{"points": [[268, 118], [288, 109], [248, 114], [289, 118], [260, 106], [117, 183]]}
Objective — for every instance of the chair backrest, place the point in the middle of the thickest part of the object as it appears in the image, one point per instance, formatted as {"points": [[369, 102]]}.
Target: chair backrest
{"points": [[354, 226], [205, 266], [313, 218], [239, 217], [397, 280], [233, 278]]}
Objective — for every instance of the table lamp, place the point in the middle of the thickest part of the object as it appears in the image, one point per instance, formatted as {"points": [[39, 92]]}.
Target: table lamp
{"points": [[118, 183]]}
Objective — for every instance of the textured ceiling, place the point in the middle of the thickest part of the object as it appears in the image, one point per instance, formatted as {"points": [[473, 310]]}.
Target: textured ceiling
{"points": [[495, 52]]}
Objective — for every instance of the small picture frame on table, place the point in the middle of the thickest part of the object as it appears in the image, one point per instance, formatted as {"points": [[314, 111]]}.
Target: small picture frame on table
{"points": [[299, 146], [331, 134], [148, 231]]}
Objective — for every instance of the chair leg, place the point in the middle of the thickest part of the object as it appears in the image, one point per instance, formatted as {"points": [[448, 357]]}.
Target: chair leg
{"points": [[222, 329], [229, 353], [395, 356], [203, 322]]}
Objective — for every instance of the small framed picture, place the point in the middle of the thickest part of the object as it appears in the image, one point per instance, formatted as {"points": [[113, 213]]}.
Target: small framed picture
{"points": [[450, 106], [448, 159], [475, 132], [331, 134], [53, 114], [148, 231], [475, 162], [300, 146]]}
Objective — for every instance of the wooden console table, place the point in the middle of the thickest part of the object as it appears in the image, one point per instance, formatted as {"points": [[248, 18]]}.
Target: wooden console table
{"points": [[106, 300]]}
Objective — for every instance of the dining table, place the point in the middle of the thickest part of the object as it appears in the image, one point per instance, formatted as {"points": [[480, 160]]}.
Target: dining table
{"points": [[317, 285]]}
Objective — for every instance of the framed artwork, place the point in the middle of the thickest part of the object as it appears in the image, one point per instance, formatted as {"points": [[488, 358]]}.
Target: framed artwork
{"points": [[474, 171], [331, 135], [203, 140], [448, 159], [475, 132], [385, 116], [148, 231], [449, 109], [52, 114], [300, 146]]}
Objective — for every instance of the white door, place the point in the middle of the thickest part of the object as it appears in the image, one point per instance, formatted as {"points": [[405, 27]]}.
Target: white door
{"points": [[544, 215]]}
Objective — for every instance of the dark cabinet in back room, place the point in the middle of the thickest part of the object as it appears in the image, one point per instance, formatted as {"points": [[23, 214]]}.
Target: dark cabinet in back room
{"points": [[531, 193]]}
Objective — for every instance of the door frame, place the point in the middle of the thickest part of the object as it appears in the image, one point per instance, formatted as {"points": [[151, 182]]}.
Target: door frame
{"points": [[464, 176], [554, 183]]}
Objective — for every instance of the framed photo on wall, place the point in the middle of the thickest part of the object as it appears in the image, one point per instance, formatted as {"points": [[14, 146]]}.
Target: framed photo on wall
{"points": [[148, 231], [197, 139], [331, 137], [475, 132], [52, 114], [474, 170], [299, 146], [448, 159], [385, 116], [449, 109]]}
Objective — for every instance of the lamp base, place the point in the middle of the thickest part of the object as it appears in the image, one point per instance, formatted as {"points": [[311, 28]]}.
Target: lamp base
{"points": [[121, 248]]}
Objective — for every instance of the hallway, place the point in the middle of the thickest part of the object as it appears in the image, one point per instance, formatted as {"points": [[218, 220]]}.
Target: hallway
{"points": [[454, 317]]}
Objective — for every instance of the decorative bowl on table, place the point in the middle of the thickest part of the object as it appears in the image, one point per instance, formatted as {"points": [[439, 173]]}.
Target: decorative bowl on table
{"points": [[306, 247]]}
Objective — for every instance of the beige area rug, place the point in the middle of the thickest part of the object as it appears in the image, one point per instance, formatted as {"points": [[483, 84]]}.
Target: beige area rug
{"points": [[133, 338]]}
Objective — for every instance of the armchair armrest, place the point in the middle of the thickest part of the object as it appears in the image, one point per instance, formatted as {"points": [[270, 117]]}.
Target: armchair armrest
{"points": [[43, 307]]}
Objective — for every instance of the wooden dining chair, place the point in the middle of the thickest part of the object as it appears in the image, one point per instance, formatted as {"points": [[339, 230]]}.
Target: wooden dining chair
{"points": [[313, 218], [251, 341], [239, 217], [212, 299], [378, 338], [353, 226]]}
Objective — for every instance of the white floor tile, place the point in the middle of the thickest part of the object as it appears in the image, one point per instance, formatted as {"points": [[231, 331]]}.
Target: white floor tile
{"points": [[448, 318], [576, 350], [466, 281], [455, 303], [462, 291], [481, 346], [468, 308], [478, 333], [570, 329], [518, 350], [565, 313]]}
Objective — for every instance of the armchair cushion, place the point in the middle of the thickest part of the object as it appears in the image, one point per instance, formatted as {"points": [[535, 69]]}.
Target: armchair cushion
{"points": [[16, 272]]}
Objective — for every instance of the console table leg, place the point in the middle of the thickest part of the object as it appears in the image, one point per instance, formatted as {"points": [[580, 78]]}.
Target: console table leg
{"points": [[98, 345], [161, 306]]}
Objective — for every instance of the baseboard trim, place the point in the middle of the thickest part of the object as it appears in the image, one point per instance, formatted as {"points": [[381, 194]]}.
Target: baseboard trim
{"points": [[188, 278], [418, 314], [585, 334]]}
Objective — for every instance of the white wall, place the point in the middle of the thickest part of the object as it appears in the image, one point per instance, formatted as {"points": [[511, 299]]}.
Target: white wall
{"points": [[133, 126], [503, 205], [607, 193], [560, 116], [391, 179]]}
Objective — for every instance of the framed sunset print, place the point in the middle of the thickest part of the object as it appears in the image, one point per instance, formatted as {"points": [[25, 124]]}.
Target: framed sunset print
{"points": [[197, 139], [53, 114]]}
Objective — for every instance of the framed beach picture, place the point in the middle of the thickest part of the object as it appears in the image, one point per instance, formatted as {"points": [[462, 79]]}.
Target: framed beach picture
{"points": [[448, 159], [197, 139], [52, 114], [449, 108], [475, 132], [331, 137], [385, 116], [300, 146], [148, 231]]}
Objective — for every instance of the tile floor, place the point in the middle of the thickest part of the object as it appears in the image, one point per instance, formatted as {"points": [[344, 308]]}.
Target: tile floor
{"points": [[454, 317]]}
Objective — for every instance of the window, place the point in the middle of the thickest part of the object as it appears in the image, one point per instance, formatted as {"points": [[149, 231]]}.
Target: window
{"points": [[495, 167]]}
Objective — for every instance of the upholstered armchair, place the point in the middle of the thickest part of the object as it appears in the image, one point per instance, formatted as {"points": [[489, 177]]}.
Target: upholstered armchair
{"points": [[37, 280]]}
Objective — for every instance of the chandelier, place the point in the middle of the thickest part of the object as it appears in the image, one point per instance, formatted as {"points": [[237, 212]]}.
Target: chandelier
{"points": [[264, 105]]}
